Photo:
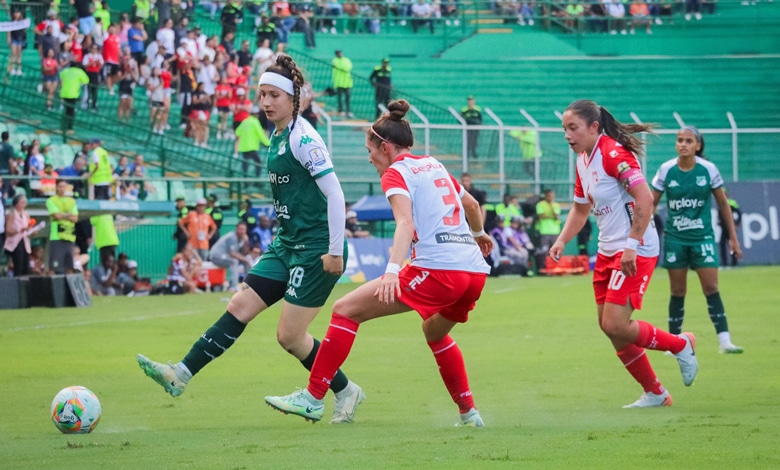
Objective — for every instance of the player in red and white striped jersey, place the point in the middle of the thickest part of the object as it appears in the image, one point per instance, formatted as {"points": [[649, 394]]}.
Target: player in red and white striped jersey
{"points": [[443, 225], [611, 184]]}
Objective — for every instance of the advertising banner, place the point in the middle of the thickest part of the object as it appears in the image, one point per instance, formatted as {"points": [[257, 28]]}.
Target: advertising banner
{"points": [[759, 232]]}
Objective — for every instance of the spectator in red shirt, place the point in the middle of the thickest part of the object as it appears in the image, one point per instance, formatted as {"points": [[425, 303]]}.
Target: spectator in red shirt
{"points": [[50, 76], [76, 49], [111, 50], [93, 64], [232, 70], [223, 96], [166, 77], [242, 107]]}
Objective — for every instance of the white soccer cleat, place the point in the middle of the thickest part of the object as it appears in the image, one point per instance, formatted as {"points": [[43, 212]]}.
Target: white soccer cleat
{"points": [[689, 365], [651, 400], [169, 376], [471, 419], [300, 403], [347, 402], [731, 349]]}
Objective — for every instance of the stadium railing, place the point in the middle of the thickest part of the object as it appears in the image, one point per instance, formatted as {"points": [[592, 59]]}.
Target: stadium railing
{"points": [[732, 149]]}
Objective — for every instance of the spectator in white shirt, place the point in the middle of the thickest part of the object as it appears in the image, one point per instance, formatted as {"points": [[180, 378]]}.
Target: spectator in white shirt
{"points": [[422, 13], [617, 14], [167, 37]]}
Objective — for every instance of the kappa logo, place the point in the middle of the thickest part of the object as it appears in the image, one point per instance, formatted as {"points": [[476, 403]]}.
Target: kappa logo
{"points": [[305, 140], [709, 259], [674, 184], [291, 292], [671, 257], [701, 181]]}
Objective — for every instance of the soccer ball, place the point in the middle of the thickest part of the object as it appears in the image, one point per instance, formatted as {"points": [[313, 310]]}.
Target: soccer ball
{"points": [[75, 410]]}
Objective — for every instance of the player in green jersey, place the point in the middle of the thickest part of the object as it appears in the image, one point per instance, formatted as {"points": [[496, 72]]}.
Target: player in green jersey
{"points": [[304, 261], [690, 181]]}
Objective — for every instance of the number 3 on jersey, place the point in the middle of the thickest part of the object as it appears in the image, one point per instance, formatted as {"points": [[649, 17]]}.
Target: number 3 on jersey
{"points": [[450, 199]]}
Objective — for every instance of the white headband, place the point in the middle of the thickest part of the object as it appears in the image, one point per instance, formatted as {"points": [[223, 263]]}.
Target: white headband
{"points": [[283, 83]]}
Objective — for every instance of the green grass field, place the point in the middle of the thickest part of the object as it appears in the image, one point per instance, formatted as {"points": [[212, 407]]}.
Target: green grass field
{"points": [[546, 380]]}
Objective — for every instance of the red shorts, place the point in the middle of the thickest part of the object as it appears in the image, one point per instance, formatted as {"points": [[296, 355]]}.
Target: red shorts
{"points": [[453, 294], [611, 285], [196, 115]]}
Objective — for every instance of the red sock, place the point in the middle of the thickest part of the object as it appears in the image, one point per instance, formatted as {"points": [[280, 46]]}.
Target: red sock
{"points": [[651, 337], [638, 365], [453, 372], [333, 352]]}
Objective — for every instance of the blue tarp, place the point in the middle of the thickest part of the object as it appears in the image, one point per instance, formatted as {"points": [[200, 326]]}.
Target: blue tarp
{"points": [[371, 208]]}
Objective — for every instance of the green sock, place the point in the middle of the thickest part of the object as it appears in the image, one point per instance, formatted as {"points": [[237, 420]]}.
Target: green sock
{"points": [[214, 342], [340, 380], [717, 312], [676, 314]]}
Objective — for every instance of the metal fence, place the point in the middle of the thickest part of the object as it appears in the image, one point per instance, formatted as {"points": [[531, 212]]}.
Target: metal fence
{"points": [[741, 154]]}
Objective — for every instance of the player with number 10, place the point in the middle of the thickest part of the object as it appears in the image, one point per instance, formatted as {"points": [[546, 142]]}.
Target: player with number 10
{"points": [[611, 184]]}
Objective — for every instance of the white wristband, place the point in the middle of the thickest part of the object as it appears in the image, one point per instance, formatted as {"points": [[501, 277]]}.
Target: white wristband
{"points": [[477, 234], [632, 243], [392, 268]]}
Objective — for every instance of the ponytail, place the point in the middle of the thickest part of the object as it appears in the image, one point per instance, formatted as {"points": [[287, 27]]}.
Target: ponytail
{"points": [[622, 133]]}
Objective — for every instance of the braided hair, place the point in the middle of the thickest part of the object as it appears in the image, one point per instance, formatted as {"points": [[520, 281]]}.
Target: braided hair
{"points": [[623, 133], [286, 67]]}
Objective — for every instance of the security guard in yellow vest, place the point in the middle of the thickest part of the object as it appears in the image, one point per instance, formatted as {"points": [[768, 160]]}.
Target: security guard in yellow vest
{"points": [[212, 209], [245, 213], [102, 12], [100, 176], [266, 30], [472, 114], [142, 9], [380, 80]]}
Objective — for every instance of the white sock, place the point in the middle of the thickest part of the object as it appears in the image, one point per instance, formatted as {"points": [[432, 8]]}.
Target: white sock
{"points": [[347, 389], [311, 398], [724, 338], [180, 367]]}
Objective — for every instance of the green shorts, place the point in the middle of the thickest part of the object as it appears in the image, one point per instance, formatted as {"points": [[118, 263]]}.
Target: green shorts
{"points": [[681, 255], [308, 285]]}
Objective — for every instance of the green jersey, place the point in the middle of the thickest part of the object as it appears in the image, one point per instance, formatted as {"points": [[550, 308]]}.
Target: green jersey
{"points": [[295, 160], [688, 199]]}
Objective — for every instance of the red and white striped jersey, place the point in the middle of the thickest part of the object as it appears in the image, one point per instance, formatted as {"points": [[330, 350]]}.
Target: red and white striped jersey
{"points": [[603, 180], [442, 237]]}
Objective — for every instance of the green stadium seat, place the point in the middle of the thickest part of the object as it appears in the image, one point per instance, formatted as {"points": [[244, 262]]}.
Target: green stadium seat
{"points": [[67, 153], [44, 139]]}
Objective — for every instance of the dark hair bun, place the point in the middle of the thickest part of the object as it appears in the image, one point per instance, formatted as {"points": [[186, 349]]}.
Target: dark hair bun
{"points": [[398, 109]]}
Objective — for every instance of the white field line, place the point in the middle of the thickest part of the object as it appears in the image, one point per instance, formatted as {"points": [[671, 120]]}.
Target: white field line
{"points": [[95, 322]]}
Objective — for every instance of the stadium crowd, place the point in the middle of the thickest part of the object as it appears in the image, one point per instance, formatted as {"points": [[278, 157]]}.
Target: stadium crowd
{"points": [[159, 46]]}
